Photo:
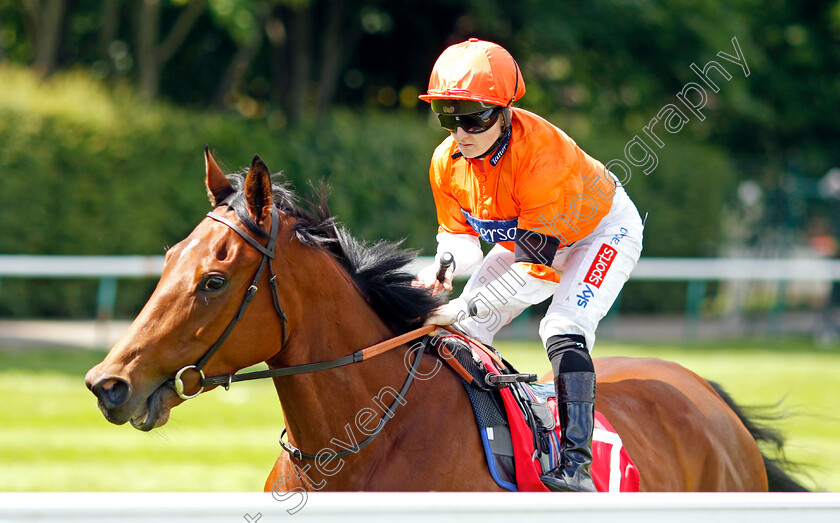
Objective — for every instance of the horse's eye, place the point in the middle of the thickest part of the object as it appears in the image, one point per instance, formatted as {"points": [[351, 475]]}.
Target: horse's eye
{"points": [[214, 282]]}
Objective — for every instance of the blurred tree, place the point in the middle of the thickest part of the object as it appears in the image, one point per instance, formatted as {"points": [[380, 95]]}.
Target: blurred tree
{"points": [[245, 21], [153, 52], [599, 70], [330, 88], [108, 31], [46, 24], [310, 43], [341, 36]]}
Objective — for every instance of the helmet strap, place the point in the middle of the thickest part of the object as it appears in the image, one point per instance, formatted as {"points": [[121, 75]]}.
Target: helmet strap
{"points": [[507, 116], [516, 81], [506, 129]]}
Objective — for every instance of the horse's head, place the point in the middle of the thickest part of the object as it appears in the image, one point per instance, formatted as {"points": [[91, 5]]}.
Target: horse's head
{"points": [[206, 320], [202, 289]]}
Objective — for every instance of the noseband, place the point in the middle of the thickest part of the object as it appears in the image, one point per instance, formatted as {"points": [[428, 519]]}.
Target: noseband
{"points": [[268, 255]]}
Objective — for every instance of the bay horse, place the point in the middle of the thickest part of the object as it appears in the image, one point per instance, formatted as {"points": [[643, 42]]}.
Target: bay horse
{"points": [[328, 297]]}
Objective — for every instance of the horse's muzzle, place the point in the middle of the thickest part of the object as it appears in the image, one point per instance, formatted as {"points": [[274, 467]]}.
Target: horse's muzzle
{"points": [[113, 393]]}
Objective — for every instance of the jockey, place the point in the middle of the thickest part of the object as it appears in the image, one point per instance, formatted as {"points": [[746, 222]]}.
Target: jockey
{"points": [[562, 227]]}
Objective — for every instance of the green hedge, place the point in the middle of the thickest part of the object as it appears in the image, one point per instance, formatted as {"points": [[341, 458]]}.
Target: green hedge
{"points": [[92, 170]]}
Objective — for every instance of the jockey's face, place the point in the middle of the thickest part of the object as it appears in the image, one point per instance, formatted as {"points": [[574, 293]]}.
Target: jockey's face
{"points": [[474, 145]]}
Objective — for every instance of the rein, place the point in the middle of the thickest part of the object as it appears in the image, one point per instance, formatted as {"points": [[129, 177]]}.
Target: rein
{"points": [[356, 357], [322, 457]]}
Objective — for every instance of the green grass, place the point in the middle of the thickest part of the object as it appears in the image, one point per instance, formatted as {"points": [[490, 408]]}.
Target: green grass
{"points": [[53, 438]]}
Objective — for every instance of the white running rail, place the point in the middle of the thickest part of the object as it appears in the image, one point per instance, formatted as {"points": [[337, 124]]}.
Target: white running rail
{"points": [[418, 507]]}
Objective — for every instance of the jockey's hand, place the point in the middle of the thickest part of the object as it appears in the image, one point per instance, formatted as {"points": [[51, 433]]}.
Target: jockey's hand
{"points": [[449, 313], [427, 277]]}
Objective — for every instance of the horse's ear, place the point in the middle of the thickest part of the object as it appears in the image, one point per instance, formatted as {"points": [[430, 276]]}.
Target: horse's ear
{"points": [[218, 186], [258, 190]]}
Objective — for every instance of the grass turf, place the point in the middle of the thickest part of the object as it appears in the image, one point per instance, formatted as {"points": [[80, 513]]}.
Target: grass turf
{"points": [[53, 438]]}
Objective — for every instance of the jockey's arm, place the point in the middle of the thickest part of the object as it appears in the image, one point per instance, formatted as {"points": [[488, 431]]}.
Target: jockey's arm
{"points": [[528, 281]]}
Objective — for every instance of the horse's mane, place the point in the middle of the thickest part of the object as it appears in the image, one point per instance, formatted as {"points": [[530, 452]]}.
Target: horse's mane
{"points": [[378, 269]]}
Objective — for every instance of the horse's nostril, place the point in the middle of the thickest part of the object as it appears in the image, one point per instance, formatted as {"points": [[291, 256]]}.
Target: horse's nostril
{"points": [[112, 392]]}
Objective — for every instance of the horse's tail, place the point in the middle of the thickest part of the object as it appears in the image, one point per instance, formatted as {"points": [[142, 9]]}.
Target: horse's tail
{"points": [[779, 468]]}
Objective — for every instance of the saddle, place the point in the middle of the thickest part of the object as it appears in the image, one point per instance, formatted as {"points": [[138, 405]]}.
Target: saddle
{"points": [[517, 422]]}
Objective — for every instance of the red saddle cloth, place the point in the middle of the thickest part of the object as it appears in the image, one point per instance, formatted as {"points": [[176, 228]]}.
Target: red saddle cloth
{"points": [[612, 469]]}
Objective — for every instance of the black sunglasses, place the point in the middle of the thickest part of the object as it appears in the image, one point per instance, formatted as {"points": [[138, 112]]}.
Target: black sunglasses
{"points": [[474, 123]]}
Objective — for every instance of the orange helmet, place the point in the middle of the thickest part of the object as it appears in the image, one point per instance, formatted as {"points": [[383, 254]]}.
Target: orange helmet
{"points": [[478, 71]]}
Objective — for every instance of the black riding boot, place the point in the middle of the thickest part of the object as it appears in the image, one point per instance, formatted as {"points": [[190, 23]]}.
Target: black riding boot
{"points": [[576, 410]]}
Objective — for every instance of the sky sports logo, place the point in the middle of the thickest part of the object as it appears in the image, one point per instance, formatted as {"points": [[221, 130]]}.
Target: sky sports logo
{"points": [[600, 265]]}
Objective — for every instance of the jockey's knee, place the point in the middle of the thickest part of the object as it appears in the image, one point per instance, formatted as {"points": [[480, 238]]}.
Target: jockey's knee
{"points": [[563, 323], [568, 353]]}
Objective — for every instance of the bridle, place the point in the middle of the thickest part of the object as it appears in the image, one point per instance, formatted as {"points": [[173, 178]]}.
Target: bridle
{"points": [[356, 357], [268, 255]]}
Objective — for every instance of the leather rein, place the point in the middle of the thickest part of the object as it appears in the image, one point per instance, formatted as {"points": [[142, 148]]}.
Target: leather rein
{"points": [[358, 356]]}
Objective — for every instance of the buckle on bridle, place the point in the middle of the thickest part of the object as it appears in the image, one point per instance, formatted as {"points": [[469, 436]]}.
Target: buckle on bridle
{"points": [[178, 384]]}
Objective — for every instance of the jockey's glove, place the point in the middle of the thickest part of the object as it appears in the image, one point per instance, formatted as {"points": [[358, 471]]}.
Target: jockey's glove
{"points": [[449, 313], [427, 277]]}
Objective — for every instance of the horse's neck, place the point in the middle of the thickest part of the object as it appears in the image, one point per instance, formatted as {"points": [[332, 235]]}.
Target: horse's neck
{"points": [[322, 405], [333, 318], [337, 409]]}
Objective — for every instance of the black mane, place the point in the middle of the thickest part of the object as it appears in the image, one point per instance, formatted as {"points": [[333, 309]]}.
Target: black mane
{"points": [[378, 269]]}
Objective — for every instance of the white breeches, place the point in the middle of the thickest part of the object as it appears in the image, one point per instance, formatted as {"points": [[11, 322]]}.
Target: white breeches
{"points": [[593, 271]]}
